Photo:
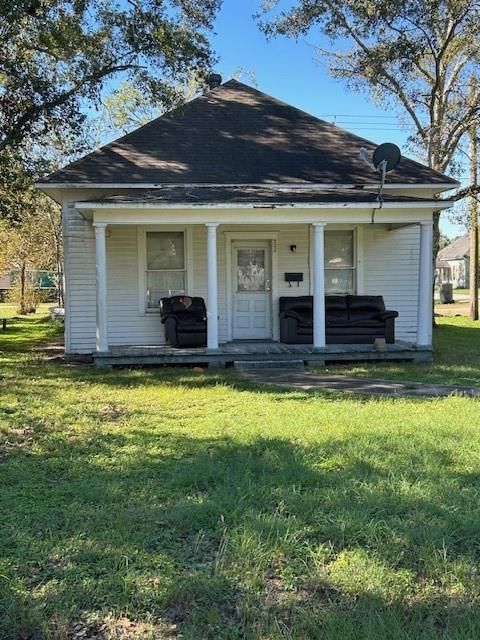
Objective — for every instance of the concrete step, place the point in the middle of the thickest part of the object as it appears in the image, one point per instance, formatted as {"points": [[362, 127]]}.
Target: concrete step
{"points": [[245, 365]]}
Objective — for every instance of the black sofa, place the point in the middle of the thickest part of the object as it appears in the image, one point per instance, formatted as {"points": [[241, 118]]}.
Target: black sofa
{"points": [[349, 320], [185, 320]]}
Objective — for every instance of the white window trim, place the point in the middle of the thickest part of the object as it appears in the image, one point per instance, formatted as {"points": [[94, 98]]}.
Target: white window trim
{"points": [[142, 262], [357, 255]]}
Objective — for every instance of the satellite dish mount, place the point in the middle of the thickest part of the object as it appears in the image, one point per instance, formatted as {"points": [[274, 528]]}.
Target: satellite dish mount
{"points": [[385, 158]]}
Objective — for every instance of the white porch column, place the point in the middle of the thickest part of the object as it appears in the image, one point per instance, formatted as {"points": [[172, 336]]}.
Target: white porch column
{"points": [[319, 339], [425, 288], [101, 269], [212, 297]]}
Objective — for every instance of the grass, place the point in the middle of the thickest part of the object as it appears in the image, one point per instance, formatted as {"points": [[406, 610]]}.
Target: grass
{"points": [[9, 310], [170, 504], [456, 358]]}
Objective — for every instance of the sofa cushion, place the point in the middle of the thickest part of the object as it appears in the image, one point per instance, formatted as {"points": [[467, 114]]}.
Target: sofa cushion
{"points": [[365, 307], [356, 331], [336, 308], [368, 323], [296, 302], [192, 327]]}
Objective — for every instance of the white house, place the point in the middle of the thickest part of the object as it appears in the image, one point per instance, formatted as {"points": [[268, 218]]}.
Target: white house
{"points": [[234, 176], [453, 263]]}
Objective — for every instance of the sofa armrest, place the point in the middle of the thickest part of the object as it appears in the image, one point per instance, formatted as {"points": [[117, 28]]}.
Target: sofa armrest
{"points": [[164, 317], [385, 315], [171, 330], [288, 329]]}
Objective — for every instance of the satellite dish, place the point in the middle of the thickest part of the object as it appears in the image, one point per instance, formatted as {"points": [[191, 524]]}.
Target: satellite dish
{"points": [[388, 154]]}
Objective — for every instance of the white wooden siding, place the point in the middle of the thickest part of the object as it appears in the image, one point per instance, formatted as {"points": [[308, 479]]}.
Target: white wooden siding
{"points": [[390, 268], [80, 286]]}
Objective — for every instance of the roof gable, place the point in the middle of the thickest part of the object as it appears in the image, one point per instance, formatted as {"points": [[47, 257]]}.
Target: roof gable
{"points": [[456, 250], [236, 134]]}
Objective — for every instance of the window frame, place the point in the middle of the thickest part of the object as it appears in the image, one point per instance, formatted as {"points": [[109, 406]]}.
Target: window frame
{"points": [[144, 310], [353, 268], [358, 276]]}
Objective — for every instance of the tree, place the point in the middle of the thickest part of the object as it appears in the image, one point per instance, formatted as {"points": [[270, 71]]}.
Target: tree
{"points": [[418, 54], [58, 55], [443, 241], [473, 213], [32, 245]]}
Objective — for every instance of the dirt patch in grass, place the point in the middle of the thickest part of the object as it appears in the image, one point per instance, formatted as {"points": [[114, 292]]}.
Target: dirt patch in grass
{"points": [[122, 628], [16, 440]]}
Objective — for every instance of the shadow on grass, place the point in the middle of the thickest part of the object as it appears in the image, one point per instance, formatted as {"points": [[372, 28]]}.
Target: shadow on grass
{"points": [[352, 539], [24, 333]]}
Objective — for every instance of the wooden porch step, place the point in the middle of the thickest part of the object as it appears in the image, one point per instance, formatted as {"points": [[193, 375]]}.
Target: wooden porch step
{"points": [[268, 364]]}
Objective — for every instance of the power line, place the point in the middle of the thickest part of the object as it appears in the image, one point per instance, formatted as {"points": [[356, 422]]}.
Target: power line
{"points": [[373, 124], [352, 115]]}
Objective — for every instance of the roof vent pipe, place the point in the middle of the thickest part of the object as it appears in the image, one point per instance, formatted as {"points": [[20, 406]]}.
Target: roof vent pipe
{"points": [[213, 80]]}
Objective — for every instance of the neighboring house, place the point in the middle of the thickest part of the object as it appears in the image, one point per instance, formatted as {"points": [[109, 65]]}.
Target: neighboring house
{"points": [[453, 263], [240, 199], [5, 286], [44, 280]]}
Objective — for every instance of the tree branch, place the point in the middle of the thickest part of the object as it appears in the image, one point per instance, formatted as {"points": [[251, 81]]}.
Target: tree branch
{"points": [[37, 110], [458, 131], [388, 76], [465, 192]]}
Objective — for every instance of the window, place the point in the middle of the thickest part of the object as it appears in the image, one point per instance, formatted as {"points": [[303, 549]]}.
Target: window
{"points": [[165, 272], [340, 262], [251, 270]]}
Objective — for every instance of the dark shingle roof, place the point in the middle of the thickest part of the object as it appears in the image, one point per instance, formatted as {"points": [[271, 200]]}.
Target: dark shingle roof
{"points": [[456, 250], [256, 195], [237, 135]]}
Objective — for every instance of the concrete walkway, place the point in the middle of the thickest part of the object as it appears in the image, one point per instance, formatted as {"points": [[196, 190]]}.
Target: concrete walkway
{"points": [[309, 381]]}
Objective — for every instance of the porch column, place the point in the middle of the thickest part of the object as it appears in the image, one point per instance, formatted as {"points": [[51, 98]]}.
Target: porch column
{"points": [[425, 288], [319, 339], [212, 293], [101, 270]]}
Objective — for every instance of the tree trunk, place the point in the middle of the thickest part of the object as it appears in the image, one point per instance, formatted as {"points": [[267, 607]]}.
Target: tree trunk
{"points": [[434, 164], [436, 249], [23, 306], [60, 286], [473, 225]]}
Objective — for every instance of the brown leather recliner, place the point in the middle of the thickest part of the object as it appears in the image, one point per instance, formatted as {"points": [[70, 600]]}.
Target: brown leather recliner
{"points": [[349, 319], [185, 320]]}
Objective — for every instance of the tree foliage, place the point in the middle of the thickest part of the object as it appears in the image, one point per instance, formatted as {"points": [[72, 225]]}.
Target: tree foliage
{"points": [[33, 244], [59, 54], [416, 53]]}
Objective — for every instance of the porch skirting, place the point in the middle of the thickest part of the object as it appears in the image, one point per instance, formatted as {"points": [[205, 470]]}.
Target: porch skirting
{"points": [[257, 351]]}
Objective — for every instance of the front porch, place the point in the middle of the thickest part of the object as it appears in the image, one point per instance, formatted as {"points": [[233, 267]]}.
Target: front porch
{"points": [[274, 352]]}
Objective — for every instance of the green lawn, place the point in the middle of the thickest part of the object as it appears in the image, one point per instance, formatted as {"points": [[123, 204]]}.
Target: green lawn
{"points": [[456, 358], [9, 310], [168, 504]]}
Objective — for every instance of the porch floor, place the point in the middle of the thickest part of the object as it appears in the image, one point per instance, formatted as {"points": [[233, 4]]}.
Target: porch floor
{"points": [[257, 351]]}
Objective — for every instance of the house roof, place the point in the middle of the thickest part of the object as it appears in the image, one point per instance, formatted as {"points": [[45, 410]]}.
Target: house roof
{"points": [[206, 195], [236, 135], [456, 250]]}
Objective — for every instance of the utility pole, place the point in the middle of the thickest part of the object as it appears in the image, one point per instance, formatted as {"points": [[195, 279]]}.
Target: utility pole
{"points": [[473, 211]]}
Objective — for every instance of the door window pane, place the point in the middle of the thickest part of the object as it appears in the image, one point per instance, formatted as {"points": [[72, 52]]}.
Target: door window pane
{"points": [[165, 250], [338, 249], [163, 284], [251, 269]]}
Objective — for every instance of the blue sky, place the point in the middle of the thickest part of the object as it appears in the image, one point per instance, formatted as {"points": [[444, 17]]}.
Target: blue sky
{"points": [[288, 70]]}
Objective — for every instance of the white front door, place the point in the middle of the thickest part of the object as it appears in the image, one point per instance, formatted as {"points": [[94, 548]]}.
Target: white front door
{"points": [[251, 286]]}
